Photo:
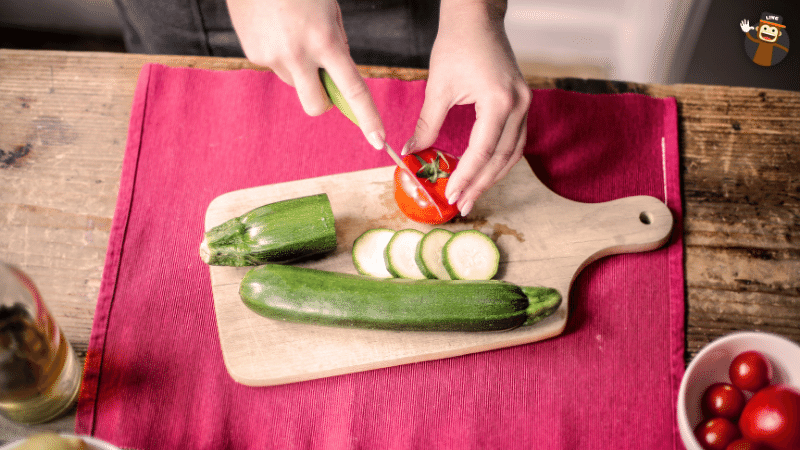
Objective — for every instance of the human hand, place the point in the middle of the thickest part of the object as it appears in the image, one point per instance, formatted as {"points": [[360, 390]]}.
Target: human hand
{"points": [[472, 63], [745, 25], [296, 38]]}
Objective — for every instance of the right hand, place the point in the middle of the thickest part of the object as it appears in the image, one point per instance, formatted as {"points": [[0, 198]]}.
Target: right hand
{"points": [[745, 25], [295, 38]]}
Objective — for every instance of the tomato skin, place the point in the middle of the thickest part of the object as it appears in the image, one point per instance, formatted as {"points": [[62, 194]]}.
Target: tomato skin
{"points": [[750, 371], [745, 444], [716, 433], [772, 417], [414, 204], [722, 400]]}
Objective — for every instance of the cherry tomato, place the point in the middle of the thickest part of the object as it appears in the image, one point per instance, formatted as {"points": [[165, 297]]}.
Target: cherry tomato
{"points": [[772, 416], [745, 444], [432, 168], [722, 400], [716, 433], [750, 371]]}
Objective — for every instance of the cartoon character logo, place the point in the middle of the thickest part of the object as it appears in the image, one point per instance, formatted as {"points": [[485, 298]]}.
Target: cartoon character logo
{"points": [[771, 41]]}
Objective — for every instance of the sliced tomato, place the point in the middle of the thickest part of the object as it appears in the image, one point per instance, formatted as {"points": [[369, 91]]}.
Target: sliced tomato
{"points": [[432, 168]]}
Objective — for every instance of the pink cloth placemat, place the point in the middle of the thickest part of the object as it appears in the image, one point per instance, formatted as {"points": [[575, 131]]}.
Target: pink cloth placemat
{"points": [[154, 375]]}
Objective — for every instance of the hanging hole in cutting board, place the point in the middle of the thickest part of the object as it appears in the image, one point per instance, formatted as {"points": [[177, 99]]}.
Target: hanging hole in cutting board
{"points": [[646, 217]]}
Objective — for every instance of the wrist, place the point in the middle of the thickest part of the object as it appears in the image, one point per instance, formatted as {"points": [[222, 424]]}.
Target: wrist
{"points": [[457, 11]]}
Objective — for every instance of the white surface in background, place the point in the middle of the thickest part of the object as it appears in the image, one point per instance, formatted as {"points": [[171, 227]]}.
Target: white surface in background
{"points": [[634, 40]]}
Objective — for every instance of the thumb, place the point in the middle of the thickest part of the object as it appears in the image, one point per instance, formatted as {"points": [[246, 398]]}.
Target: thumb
{"points": [[430, 121]]}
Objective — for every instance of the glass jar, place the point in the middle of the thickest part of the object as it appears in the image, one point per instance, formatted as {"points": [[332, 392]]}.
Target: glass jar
{"points": [[40, 375]]}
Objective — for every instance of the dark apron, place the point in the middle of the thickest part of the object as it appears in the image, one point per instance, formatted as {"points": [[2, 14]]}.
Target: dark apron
{"points": [[397, 33]]}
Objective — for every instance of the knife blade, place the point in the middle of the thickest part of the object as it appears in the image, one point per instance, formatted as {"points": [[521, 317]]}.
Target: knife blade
{"points": [[338, 100]]}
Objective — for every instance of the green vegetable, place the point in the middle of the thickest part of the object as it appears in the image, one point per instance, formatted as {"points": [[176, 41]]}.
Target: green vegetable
{"points": [[400, 254], [369, 250], [542, 302], [471, 255], [328, 298], [278, 232], [429, 254]]}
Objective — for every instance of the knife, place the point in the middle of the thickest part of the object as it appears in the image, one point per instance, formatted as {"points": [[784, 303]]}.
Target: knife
{"points": [[338, 100]]}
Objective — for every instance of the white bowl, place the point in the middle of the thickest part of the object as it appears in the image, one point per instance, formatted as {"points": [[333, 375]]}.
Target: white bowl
{"points": [[711, 365], [91, 443]]}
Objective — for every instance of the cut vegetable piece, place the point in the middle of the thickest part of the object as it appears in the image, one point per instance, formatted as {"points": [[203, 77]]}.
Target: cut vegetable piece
{"points": [[283, 231], [471, 255], [369, 250], [401, 254], [429, 253]]}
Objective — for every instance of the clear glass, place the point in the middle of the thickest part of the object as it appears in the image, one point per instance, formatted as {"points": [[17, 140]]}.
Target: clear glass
{"points": [[40, 375]]}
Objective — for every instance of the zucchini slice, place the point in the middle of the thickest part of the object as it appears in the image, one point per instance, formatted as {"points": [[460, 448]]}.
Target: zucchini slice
{"points": [[429, 253], [369, 250], [471, 255], [401, 254]]}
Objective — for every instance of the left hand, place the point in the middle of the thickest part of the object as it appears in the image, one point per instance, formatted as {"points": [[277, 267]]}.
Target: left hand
{"points": [[472, 63]]}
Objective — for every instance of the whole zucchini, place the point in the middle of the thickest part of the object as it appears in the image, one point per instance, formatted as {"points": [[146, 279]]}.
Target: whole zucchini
{"points": [[328, 298], [278, 232]]}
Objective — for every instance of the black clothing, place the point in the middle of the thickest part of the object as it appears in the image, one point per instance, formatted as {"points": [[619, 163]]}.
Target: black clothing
{"points": [[395, 33]]}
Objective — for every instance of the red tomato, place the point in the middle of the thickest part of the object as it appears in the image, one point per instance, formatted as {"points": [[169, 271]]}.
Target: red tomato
{"points": [[750, 371], [433, 168], [722, 400], [745, 444], [716, 433], [772, 416]]}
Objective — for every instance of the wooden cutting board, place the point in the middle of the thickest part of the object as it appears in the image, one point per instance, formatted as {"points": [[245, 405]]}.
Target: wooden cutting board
{"points": [[544, 239]]}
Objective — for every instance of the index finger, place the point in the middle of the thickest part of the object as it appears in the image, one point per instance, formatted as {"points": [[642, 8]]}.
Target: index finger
{"points": [[355, 91]]}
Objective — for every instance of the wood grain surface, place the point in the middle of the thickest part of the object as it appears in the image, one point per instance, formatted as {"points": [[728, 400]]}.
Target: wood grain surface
{"points": [[63, 125]]}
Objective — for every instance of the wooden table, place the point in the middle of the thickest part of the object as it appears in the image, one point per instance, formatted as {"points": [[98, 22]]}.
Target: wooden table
{"points": [[64, 122]]}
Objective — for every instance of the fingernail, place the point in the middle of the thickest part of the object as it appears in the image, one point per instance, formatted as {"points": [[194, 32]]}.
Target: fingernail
{"points": [[409, 147], [376, 140], [454, 198], [467, 208], [451, 193]]}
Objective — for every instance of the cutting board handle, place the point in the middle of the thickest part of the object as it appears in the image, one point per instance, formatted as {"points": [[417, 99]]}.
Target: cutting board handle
{"points": [[630, 225]]}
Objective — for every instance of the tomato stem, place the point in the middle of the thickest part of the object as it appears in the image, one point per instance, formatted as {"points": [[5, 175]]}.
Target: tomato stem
{"points": [[431, 170]]}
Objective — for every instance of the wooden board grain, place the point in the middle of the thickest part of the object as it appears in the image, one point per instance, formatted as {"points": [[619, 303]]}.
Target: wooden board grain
{"points": [[543, 239]]}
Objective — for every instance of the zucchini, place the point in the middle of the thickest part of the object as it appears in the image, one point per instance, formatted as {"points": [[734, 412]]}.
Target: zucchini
{"points": [[401, 254], [542, 302], [298, 294], [283, 231], [369, 250], [471, 255], [429, 253]]}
